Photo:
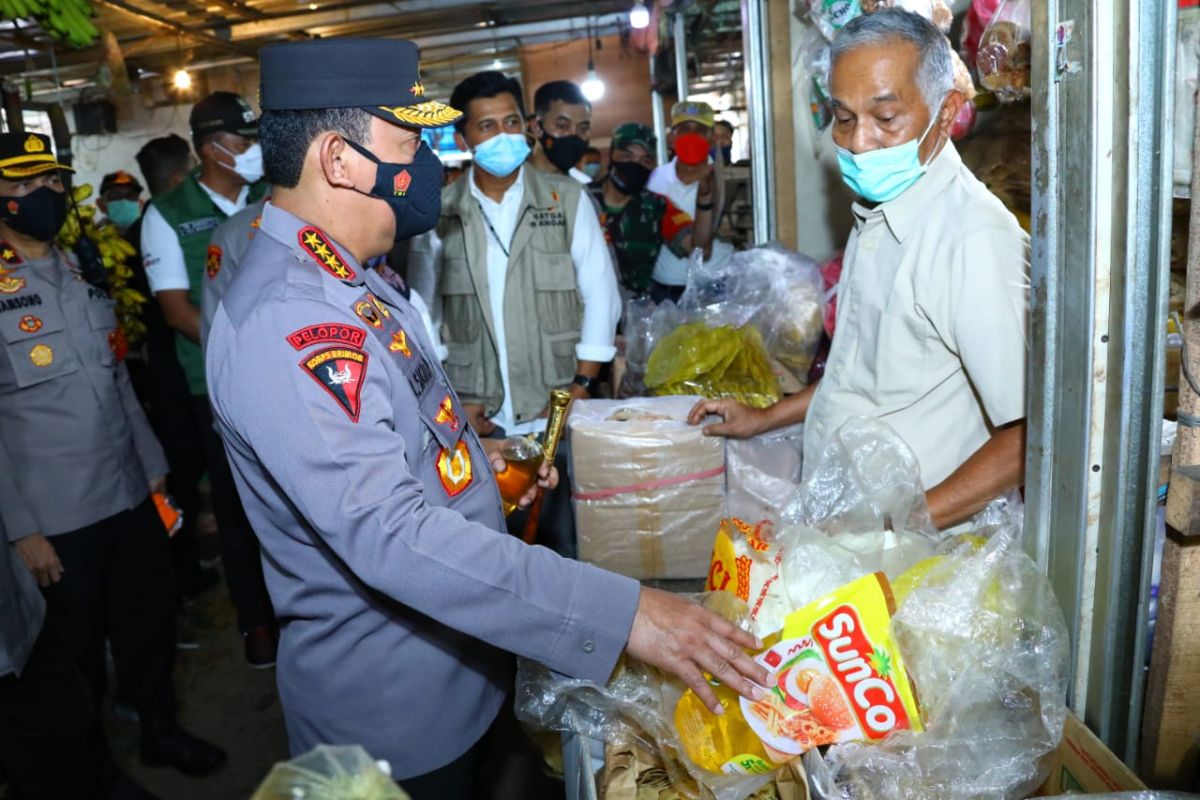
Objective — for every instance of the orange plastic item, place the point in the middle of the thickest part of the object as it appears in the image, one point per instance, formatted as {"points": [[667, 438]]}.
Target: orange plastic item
{"points": [[169, 513]]}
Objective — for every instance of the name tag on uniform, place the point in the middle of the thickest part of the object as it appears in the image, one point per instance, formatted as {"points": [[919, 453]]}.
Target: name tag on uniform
{"points": [[197, 226]]}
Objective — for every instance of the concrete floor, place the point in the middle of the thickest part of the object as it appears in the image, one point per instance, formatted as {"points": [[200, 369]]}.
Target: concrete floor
{"points": [[226, 702], [222, 700]]}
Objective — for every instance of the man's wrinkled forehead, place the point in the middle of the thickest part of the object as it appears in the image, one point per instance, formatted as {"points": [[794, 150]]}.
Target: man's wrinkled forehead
{"points": [[876, 73]]}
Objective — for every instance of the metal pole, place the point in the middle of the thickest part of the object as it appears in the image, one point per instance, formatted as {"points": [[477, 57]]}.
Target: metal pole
{"points": [[1101, 127], [681, 79], [656, 109], [755, 44]]}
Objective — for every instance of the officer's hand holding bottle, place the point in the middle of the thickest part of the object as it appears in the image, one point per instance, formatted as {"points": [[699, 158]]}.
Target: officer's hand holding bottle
{"points": [[547, 474]]}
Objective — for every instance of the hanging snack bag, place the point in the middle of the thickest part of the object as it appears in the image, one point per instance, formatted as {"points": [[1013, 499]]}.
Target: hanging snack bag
{"points": [[1005, 58], [836, 674]]}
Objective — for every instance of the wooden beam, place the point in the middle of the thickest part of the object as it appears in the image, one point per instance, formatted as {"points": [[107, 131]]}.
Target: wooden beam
{"points": [[1171, 723], [783, 135], [1171, 719]]}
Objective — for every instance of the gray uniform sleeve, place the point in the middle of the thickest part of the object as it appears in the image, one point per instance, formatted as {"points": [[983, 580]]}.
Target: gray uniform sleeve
{"points": [[215, 282], [352, 482], [150, 452], [15, 513]]}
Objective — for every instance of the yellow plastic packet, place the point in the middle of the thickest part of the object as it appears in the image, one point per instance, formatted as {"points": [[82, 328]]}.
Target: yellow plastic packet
{"points": [[838, 677]]}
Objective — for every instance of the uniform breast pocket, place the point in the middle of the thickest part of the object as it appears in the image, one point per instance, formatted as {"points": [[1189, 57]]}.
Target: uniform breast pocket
{"points": [[102, 318], [37, 348]]}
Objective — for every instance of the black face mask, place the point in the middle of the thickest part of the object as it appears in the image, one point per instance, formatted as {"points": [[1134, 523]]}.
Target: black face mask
{"points": [[413, 191], [39, 214], [564, 152], [629, 177]]}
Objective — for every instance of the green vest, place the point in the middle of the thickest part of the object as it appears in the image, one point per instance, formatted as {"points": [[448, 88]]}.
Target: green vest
{"points": [[193, 215], [543, 312]]}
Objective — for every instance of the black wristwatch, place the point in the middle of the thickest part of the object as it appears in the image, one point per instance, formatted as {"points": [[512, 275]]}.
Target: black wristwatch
{"points": [[584, 381]]}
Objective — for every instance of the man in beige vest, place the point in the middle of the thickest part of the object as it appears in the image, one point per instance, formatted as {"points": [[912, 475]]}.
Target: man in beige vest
{"points": [[526, 293]]}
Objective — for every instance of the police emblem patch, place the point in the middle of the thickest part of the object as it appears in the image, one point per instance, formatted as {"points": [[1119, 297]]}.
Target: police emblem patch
{"points": [[212, 261], [317, 245], [379, 306], [327, 333], [341, 371], [454, 469], [399, 344], [9, 284], [446, 415], [41, 355], [30, 324], [368, 313]]}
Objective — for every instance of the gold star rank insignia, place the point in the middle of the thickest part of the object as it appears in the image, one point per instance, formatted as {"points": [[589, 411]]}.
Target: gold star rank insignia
{"points": [[315, 243]]}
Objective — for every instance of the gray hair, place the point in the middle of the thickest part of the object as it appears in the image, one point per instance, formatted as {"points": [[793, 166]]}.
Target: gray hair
{"points": [[935, 73]]}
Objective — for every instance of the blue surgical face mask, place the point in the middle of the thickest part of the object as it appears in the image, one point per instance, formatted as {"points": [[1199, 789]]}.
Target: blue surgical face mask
{"points": [[123, 213], [592, 169], [502, 154], [884, 174]]}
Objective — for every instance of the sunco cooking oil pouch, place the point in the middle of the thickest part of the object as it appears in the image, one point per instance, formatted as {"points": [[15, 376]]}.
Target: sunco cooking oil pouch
{"points": [[836, 675]]}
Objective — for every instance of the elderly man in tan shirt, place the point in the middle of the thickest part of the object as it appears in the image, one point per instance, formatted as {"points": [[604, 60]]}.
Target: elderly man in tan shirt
{"points": [[932, 307]]}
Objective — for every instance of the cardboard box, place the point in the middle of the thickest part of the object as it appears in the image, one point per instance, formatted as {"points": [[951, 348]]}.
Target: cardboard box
{"points": [[1082, 764], [648, 489]]}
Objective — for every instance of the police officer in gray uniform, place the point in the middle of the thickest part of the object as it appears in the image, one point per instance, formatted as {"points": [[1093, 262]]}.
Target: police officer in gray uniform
{"points": [[79, 512], [397, 588]]}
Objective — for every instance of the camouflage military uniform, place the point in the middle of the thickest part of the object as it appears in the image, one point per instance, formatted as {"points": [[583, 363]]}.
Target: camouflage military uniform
{"points": [[638, 230]]}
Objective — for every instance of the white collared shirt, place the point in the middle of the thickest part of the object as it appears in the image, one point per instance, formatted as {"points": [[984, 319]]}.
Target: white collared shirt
{"points": [[670, 269], [162, 254], [931, 321], [594, 275]]}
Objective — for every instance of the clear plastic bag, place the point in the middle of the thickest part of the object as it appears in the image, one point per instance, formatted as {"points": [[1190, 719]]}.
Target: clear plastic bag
{"points": [[762, 472], [1004, 59], [721, 361], [330, 773], [639, 341], [986, 643], [830, 16]]}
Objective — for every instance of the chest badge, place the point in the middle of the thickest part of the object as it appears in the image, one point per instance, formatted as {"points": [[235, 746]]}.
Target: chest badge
{"points": [[399, 344], [368, 313], [41, 355], [454, 469], [341, 371], [9, 284], [446, 416], [8, 254], [30, 324], [317, 245], [380, 307], [212, 261]]}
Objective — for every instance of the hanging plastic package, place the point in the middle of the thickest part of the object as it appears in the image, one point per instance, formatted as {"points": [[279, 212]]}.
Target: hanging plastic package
{"points": [[836, 675], [1005, 58]]}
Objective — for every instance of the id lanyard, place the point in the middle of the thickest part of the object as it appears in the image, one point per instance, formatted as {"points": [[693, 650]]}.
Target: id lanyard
{"points": [[495, 235]]}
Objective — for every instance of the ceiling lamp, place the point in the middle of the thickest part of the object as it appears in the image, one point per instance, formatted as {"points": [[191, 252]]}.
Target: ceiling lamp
{"points": [[593, 87], [182, 80], [639, 15]]}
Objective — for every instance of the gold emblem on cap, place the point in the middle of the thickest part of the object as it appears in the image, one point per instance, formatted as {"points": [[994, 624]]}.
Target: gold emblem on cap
{"points": [[41, 355], [34, 145], [418, 89], [430, 114]]}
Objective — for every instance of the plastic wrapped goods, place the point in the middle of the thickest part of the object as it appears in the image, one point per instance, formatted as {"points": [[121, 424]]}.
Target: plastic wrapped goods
{"points": [[649, 488], [836, 676], [1004, 59], [830, 16], [330, 773], [987, 647], [723, 361]]}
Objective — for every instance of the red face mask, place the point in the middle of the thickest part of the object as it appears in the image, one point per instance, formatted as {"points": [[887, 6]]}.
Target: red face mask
{"points": [[692, 149]]}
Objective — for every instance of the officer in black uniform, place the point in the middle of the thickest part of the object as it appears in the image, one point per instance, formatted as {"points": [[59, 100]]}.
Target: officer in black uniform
{"points": [[78, 511]]}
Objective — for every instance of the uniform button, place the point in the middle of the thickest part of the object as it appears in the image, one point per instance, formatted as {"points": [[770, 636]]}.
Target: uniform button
{"points": [[589, 646]]}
